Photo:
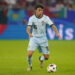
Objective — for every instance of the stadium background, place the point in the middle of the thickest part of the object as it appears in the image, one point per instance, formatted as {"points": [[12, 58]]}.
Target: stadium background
{"points": [[14, 15]]}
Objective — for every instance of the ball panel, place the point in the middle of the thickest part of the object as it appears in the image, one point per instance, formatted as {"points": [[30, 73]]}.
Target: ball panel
{"points": [[52, 68]]}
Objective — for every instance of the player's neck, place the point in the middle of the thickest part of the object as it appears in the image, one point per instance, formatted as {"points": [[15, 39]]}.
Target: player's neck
{"points": [[40, 16]]}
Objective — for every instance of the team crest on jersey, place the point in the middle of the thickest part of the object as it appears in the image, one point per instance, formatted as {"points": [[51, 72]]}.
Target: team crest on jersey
{"points": [[43, 22]]}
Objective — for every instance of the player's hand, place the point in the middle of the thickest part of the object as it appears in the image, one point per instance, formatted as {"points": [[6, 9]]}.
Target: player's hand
{"points": [[30, 35], [58, 36]]}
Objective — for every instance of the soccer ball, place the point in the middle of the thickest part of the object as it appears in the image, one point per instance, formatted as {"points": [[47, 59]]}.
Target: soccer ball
{"points": [[51, 68]]}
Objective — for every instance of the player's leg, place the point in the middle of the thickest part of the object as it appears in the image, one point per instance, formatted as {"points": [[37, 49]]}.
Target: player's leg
{"points": [[45, 51], [29, 58], [45, 56], [31, 48], [43, 48], [42, 58]]}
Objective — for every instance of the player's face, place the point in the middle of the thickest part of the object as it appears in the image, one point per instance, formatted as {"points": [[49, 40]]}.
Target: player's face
{"points": [[39, 12]]}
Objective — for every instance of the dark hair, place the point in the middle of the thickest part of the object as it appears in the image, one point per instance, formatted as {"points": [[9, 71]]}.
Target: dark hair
{"points": [[39, 6]]}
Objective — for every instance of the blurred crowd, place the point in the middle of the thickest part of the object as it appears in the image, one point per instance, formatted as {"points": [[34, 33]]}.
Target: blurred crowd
{"points": [[30, 4]]}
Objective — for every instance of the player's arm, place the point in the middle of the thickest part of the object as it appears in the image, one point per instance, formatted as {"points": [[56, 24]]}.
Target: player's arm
{"points": [[56, 31], [28, 31], [50, 23], [29, 27]]}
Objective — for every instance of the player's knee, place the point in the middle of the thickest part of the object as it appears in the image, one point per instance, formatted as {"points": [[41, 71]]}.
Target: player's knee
{"points": [[30, 54], [46, 57]]}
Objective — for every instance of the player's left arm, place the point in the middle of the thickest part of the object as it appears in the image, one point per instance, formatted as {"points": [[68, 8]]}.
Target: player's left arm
{"points": [[56, 31], [51, 24]]}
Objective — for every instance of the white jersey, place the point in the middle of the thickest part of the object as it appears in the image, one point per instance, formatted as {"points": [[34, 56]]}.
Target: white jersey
{"points": [[39, 25]]}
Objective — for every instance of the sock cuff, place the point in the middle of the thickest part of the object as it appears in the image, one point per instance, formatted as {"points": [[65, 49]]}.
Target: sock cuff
{"points": [[42, 58]]}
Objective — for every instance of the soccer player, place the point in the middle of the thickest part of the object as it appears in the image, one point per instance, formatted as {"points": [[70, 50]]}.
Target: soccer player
{"points": [[38, 38]]}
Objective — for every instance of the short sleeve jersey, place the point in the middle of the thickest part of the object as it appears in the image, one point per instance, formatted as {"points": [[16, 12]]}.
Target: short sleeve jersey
{"points": [[39, 25]]}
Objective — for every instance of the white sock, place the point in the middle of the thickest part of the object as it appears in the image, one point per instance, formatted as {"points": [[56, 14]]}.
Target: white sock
{"points": [[42, 58]]}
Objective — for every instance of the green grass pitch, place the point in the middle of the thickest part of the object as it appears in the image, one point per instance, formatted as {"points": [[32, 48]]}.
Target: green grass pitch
{"points": [[13, 58]]}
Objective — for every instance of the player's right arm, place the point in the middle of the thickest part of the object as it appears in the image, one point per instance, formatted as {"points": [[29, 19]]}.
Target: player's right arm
{"points": [[28, 31], [30, 22]]}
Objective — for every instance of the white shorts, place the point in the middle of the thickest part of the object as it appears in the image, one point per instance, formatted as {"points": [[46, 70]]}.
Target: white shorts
{"points": [[40, 43]]}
